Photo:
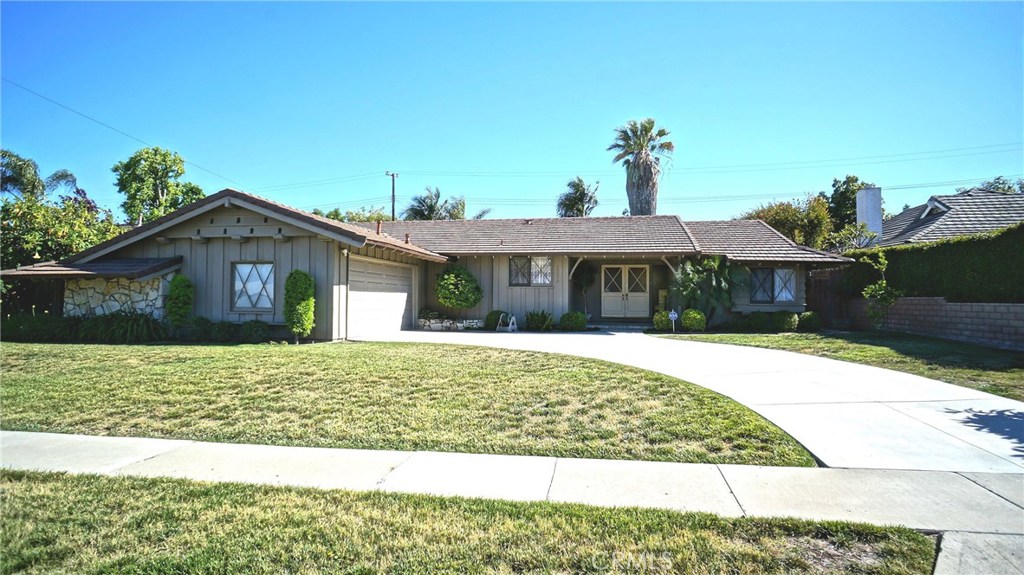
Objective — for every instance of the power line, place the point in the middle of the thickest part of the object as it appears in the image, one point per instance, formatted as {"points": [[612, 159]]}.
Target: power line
{"points": [[109, 127]]}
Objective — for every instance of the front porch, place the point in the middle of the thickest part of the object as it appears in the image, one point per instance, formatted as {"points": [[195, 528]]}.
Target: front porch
{"points": [[626, 291]]}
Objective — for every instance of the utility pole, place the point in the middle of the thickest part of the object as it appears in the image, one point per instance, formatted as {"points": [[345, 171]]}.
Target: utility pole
{"points": [[393, 175]]}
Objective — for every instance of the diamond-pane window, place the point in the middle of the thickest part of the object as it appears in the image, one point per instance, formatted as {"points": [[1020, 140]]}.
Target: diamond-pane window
{"points": [[613, 280], [761, 288], [253, 286], [637, 280], [540, 271], [785, 284], [519, 271]]}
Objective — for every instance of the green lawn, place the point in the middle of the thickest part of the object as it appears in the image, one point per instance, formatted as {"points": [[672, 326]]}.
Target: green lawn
{"points": [[991, 370], [383, 396], [91, 524]]}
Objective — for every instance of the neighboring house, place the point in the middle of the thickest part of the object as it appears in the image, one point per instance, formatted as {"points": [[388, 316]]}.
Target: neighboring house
{"points": [[941, 217], [238, 249]]}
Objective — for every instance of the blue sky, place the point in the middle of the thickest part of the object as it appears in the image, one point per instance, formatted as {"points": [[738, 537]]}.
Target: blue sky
{"points": [[310, 104]]}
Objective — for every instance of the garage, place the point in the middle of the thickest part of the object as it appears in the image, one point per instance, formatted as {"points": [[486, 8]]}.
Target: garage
{"points": [[380, 298]]}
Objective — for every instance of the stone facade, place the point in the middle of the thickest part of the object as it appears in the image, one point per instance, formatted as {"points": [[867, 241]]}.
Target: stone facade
{"points": [[102, 296], [993, 324], [451, 324]]}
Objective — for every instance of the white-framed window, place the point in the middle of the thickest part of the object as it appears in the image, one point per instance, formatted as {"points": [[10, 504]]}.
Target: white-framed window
{"points": [[529, 271], [772, 285], [252, 286]]}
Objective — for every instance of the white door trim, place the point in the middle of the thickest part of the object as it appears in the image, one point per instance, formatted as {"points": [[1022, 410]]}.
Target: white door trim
{"points": [[624, 286]]}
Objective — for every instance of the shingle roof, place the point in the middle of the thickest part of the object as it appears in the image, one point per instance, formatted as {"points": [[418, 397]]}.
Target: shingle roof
{"points": [[753, 241], [350, 231], [132, 268], [966, 213], [605, 235]]}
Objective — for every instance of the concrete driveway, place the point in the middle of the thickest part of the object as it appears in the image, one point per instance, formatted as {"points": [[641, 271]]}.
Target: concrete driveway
{"points": [[848, 415]]}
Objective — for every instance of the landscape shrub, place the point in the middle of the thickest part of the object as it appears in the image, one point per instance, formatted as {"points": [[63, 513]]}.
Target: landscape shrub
{"points": [[693, 320], [255, 331], [979, 268], [431, 314], [299, 303], [224, 332], [573, 321], [540, 320], [30, 327], [809, 321], [491, 321], [457, 288], [199, 329], [132, 327], [178, 304], [784, 321], [760, 322], [662, 322]]}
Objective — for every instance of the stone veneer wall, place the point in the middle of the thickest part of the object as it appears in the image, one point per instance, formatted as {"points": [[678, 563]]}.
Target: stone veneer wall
{"points": [[993, 324], [102, 296]]}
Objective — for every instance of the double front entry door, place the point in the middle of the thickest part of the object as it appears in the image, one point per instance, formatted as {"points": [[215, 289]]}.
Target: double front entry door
{"points": [[625, 291]]}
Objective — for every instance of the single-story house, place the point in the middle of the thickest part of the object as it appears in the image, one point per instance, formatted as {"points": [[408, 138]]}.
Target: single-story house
{"points": [[237, 249]]}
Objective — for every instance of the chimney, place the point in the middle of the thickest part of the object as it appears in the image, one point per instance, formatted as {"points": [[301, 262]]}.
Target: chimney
{"points": [[407, 238], [378, 227], [869, 210]]}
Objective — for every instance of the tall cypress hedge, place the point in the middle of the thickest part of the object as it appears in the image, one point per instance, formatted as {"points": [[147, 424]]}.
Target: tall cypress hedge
{"points": [[980, 268], [299, 303]]}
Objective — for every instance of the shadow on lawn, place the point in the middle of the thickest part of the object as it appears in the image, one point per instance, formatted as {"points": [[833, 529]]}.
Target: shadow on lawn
{"points": [[943, 353], [1006, 423]]}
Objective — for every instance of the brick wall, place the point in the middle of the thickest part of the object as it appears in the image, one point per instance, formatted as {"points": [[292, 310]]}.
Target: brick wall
{"points": [[992, 324]]}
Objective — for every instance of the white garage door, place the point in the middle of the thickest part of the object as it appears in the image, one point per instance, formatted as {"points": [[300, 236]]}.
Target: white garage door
{"points": [[380, 300]]}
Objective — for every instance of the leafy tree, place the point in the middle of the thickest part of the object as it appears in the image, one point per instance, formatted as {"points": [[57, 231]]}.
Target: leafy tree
{"points": [[852, 237], [363, 214], [429, 206], [704, 285], [999, 184], [805, 223], [640, 147], [579, 200], [880, 295], [299, 303], [149, 179], [842, 204], [19, 177]]}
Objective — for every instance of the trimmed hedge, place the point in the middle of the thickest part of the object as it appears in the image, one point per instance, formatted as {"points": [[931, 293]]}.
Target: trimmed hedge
{"points": [[178, 303], [299, 303], [784, 322], [809, 321], [693, 320], [573, 321], [661, 321], [980, 268]]}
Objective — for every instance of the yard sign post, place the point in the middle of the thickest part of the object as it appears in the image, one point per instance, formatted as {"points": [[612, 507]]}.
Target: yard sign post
{"points": [[672, 315]]}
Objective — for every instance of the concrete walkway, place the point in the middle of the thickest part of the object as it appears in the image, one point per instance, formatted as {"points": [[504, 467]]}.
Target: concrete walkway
{"points": [[981, 513], [848, 415]]}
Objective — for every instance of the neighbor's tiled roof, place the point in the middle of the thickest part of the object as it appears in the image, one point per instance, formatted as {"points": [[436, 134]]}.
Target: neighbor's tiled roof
{"points": [[753, 241], [350, 231], [605, 235], [131, 268], [966, 213]]}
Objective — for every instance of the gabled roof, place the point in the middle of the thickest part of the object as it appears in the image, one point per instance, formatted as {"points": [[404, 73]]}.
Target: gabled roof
{"points": [[131, 268], [605, 235], [754, 241], [347, 233], [966, 213]]}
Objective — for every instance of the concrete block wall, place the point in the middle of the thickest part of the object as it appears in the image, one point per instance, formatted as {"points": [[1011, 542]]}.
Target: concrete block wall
{"points": [[993, 324]]}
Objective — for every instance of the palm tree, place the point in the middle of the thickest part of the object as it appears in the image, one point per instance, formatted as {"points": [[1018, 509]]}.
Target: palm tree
{"points": [[579, 200], [19, 177], [640, 147], [429, 206]]}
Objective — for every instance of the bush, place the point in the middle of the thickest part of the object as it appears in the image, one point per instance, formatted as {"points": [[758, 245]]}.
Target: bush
{"points": [[133, 327], [430, 314], [178, 303], [34, 328], [809, 321], [299, 303], [662, 322], [199, 329], [224, 331], [573, 321], [759, 322], [979, 268], [539, 320], [255, 331], [784, 321], [693, 320], [456, 288], [491, 321]]}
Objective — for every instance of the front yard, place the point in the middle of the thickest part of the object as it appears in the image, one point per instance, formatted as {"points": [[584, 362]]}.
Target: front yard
{"points": [[90, 524], [383, 396], [990, 370]]}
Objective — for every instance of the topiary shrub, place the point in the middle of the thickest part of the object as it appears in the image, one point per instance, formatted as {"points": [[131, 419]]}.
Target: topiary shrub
{"points": [[693, 320], [224, 331], [255, 331], [539, 320], [456, 288], [809, 321], [573, 321], [662, 322], [491, 321], [199, 329], [178, 304], [784, 321], [299, 303]]}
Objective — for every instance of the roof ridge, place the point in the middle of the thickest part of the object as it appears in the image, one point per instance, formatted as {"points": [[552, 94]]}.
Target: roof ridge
{"points": [[689, 234]]}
